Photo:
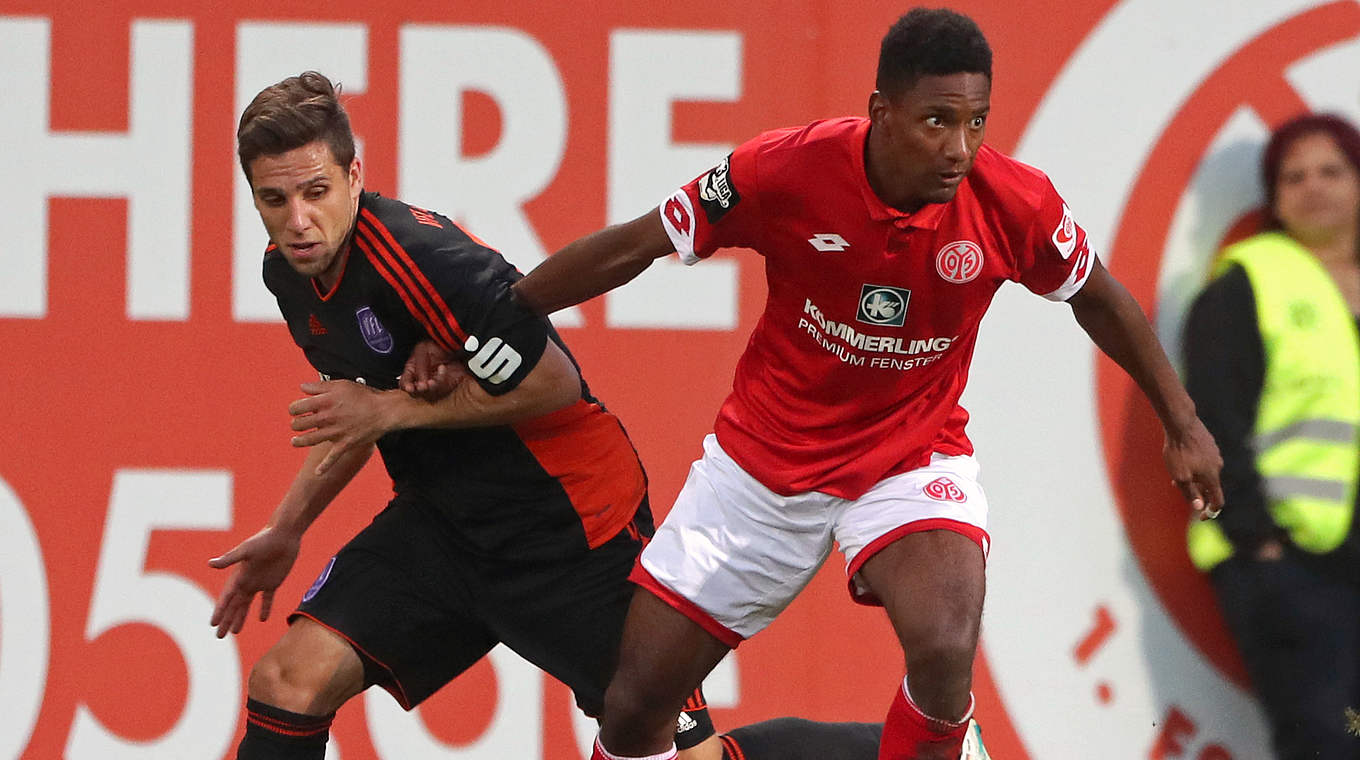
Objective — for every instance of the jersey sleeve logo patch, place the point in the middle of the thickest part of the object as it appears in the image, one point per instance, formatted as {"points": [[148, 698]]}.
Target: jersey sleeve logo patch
{"points": [[494, 361], [1065, 237], [882, 305], [717, 193], [375, 335], [959, 262], [943, 489]]}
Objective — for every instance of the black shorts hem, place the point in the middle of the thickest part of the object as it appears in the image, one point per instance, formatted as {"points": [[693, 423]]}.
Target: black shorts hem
{"points": [[372, 665]]}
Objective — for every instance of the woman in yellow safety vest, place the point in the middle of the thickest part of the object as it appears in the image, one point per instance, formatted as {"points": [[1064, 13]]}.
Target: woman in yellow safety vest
{"points": [[1272, 356]]}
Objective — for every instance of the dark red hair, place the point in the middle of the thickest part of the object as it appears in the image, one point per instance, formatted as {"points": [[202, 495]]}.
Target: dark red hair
{"points": [[1342, 132]]}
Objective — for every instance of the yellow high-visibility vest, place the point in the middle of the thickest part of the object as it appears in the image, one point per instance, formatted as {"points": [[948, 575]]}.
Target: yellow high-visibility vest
{"points": [[1307, 432]]}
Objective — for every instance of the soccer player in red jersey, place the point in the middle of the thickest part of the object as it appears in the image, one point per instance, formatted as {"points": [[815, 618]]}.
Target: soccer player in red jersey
{"points": [[884, 240]]}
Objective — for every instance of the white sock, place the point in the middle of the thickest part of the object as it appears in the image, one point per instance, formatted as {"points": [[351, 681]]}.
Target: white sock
{"points": [[942, 725], [669, 754]]}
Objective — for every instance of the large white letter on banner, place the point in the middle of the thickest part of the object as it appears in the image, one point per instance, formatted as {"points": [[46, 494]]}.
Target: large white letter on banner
{"points": [[25, 624], [148, 165], [645, 167], [486, 192]]}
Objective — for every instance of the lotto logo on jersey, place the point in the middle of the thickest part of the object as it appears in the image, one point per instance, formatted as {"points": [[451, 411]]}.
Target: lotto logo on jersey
{"points": [[677, 216], [882, 305], [1083, 263], [717, 194], [829, 242], [375, 335], [943, 489], [1065, 237]]}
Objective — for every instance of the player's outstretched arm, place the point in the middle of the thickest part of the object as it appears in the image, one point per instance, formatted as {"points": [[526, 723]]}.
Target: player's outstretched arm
{"points": [[263, 560], [348, 415], [1116, 324], [595, 264]]}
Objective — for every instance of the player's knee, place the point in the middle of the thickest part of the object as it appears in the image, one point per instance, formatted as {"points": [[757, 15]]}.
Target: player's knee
{"points": [[944, 643], [309, 686], [948, 633], [942, 657], [276, 682], [939, 668], [939, 658], [632, 702]]}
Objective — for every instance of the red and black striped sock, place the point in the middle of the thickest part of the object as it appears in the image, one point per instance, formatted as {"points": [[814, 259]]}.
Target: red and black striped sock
{"points": [[275, 734], [695, 725]]}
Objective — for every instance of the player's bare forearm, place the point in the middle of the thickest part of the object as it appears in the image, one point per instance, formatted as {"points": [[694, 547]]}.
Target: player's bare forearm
{"points": [[346, 416], [310, 493], [263, 561], [595, 264], [553, 384], [1116, 324]]}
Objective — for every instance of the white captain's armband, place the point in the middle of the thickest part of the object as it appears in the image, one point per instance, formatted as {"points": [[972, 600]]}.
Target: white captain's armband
{"points": [[1081, 269], [677, 216]]}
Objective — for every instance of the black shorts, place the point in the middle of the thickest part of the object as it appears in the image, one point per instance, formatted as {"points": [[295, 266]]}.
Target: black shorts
{"points": [[419, 610]]}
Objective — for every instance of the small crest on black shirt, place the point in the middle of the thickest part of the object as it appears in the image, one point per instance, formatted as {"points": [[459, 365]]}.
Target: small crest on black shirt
{"points": [[375, 335], [717, 193]]}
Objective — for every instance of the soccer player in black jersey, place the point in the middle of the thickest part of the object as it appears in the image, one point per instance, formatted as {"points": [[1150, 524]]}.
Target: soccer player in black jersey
{"points": [[519, 503]]}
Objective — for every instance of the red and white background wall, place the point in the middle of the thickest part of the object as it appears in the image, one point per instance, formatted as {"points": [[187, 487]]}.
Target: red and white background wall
{"points": [[146, 374]]}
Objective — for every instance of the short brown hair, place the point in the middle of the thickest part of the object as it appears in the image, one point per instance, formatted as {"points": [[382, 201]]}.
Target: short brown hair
{"points": [[291, 114]]}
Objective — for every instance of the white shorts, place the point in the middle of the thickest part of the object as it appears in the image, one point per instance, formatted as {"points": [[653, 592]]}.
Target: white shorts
{"points": [[732, 554]]}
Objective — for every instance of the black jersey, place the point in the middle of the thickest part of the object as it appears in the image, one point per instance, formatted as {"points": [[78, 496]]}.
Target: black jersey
{"points": [[547, 486]]}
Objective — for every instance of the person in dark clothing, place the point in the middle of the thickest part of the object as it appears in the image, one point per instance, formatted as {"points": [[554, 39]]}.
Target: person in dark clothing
{"points": [[1272, 356], [519, 502]]}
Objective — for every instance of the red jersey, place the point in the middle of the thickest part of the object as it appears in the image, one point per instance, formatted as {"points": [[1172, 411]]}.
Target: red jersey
{"points": [[855, 369]]}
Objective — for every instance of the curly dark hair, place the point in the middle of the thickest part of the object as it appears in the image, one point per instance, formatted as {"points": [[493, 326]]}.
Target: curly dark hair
{"points": [[291, 114], [930, 41]]}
